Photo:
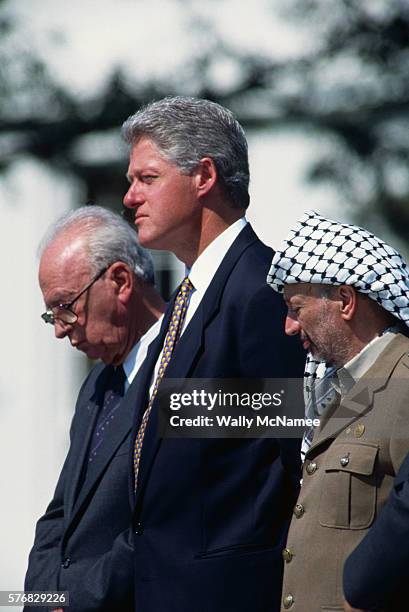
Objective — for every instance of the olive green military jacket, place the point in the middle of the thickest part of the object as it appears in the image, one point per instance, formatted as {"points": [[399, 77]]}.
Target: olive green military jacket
{"points": [[347, 475]]}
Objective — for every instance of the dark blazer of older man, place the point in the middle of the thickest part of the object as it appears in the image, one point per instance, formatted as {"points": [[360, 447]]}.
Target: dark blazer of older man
{"points": [[66, 556], [210, 515]]}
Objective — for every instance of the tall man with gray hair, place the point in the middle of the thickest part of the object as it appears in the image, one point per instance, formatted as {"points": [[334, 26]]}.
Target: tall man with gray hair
{"points": [[209, 514], [98, 287], [347, 294]]}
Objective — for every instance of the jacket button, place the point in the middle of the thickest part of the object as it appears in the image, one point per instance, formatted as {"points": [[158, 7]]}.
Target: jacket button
{"points": [[288, 601], [311, 468], [287, 555], [344, 461], [138, 528], [299, 510], [359, 430], [66, 563]]}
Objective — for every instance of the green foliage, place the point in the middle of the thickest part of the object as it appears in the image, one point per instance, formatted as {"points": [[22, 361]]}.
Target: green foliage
{"points": [[349, 88]]}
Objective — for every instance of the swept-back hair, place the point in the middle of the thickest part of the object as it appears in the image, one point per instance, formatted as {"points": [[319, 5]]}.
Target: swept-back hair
{"points": [[187, 129]]}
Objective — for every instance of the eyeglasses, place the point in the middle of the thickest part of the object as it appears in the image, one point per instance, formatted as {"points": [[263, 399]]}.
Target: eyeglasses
{"points": [[63, 312]]}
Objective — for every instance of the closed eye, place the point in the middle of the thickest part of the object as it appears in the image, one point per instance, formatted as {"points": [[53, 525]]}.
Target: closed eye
{"points": [[148, 178], [294, 311]]}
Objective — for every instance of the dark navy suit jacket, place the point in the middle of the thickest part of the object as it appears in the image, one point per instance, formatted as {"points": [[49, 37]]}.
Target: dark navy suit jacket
{"points": [[210, 515], [83, 543], [376, 572]]}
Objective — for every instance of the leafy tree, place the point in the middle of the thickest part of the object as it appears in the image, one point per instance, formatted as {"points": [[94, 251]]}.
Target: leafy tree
{"points": [[349, 87]]}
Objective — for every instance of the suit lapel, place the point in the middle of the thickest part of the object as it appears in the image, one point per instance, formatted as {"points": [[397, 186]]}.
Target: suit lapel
{"points": [[359, 400], [192, 338], [89, 412], [189, 345], [113, 438]]}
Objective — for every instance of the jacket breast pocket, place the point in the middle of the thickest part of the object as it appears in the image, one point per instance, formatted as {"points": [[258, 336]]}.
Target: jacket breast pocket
{"points": [[348, 496]]}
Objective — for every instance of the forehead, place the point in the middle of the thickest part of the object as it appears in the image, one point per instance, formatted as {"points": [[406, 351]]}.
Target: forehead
{"points": [[63, 267], [298, 290], [145, 151]]}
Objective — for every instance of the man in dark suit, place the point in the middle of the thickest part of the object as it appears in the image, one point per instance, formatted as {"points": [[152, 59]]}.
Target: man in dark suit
{"points": [[210, 515], [375, 573], [97, 284]]}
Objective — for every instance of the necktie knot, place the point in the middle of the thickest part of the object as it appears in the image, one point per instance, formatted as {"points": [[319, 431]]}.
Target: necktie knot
{"points": [[186, 286], [118, 380]]}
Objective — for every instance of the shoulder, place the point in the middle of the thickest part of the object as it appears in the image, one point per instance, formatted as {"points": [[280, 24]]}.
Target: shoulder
{"points": [[398, 354], [253, 260]]}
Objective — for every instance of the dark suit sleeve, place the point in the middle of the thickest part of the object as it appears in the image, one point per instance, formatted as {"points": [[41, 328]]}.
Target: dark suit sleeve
{"points": [[45, 558], [44, 561], [379, 564], [267, 352], [105, 584]]}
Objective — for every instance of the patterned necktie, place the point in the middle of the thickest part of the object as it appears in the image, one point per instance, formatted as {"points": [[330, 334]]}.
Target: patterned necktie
{"points": [[172, 336], [112, 399]]}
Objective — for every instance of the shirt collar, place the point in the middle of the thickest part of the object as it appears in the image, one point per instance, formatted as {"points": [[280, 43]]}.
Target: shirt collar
{"points": [[205, 266], [138, 352], [356, 367]]}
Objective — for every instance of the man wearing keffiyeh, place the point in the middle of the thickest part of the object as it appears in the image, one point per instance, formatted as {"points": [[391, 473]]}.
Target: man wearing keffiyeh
{"points": [[347, 294]]}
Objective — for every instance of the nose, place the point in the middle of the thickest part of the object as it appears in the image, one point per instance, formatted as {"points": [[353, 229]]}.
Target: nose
{"points": [[61, 329], [292, 327], [133, 197]]}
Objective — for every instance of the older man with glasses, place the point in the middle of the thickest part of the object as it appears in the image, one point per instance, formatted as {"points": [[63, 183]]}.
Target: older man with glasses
{"points": [[97, 284]]}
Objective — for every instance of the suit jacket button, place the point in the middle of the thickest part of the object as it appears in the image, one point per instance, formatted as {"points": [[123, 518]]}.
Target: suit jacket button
{"points": [[139, 528], [66, 563], [288, 601], [299, 510], [287, 555]]}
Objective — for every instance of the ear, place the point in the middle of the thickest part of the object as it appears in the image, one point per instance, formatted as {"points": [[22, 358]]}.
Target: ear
{"points": [[205, 176], [123, 279], [349, 300]]}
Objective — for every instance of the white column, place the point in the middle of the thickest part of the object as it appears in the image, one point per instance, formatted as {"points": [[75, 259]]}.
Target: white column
{"points": [[39, 376]]}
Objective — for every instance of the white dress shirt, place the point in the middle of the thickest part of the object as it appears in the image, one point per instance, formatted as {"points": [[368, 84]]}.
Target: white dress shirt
{"points": [[137, 355], [356, 367], [202, 272]]}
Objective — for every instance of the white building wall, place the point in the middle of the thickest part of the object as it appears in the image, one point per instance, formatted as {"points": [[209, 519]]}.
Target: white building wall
{"points": [[39, 377]]}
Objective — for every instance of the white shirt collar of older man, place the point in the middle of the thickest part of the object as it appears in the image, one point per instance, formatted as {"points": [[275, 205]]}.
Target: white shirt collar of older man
{"points": [[204, 268], [137, 355], [356, 367]]}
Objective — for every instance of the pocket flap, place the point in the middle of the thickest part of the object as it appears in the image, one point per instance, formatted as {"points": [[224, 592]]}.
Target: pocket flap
{"points": [[354, 458]]}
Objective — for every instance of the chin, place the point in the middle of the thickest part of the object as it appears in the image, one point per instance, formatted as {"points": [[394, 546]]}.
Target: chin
{"points": [[92, 352], [151, 242]]}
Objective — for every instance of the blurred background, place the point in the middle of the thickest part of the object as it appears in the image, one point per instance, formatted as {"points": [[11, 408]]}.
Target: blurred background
{"points": [[321, 88]]}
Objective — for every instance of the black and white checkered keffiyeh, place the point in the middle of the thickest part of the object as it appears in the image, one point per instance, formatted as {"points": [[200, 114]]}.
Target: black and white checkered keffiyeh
{"points": [[319, 250]]}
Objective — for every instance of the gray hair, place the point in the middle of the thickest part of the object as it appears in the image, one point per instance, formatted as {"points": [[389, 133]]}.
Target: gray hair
{"points": [[327, 291], [108, 238], [187, 129]]}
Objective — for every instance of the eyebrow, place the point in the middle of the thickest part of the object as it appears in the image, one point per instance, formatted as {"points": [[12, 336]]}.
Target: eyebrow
{"points": [[66, 299]]}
